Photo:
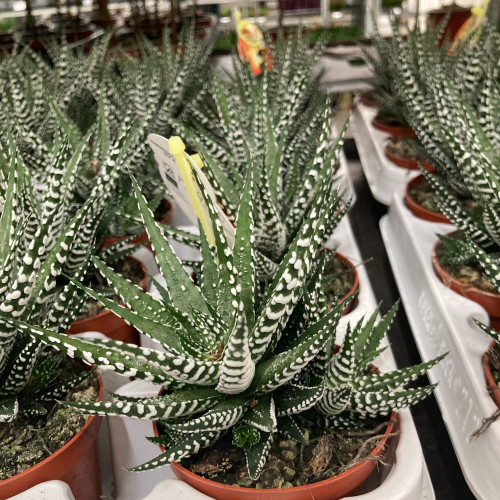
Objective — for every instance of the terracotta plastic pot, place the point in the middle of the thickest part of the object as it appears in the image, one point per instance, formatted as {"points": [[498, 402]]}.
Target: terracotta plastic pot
{"points": [[76, 463], [348, 482], [418, 210], [355, 285], [407, 163], [143, 236], [367, 99], [489, 301], [458, 17], [490, 381], [108, 323], [396, 131]]}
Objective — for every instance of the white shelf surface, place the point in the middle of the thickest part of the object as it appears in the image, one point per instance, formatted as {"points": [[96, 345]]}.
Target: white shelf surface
{"points": [[442, 321], [384, 177]]}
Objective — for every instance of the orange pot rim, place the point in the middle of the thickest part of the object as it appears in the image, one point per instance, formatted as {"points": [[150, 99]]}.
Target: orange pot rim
{"points": [[364, 99], [98, 317], [355, 285], [76, 438], [490, 381], [111, 240], [409, 164], [418, 210], [457, 286], [394, 131], [377, 451]]}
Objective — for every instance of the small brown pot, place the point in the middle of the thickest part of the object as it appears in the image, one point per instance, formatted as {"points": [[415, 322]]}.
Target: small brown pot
{"points": [[368, 99], [418, 210], [394, 130], [108, 323], [143, 236], [458, 16], [489, 301], [408, 163], [348, 482], [355, 285], [490, 381], [76, 463]]}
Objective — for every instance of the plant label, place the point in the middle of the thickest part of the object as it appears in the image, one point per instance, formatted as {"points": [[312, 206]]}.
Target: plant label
{"points": [[176, 169]]}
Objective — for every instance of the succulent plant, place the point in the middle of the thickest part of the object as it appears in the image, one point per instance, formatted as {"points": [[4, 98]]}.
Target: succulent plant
{"points": [[232, 360], [280, 126], [32, 84], [424, 73], [109, 90], [354, 390], [35, 248], [474, 143]]}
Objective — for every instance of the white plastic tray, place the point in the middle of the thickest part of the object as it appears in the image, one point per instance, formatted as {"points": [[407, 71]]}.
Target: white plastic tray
{"points": [[407, 479], [384, 178], [441, 321]]}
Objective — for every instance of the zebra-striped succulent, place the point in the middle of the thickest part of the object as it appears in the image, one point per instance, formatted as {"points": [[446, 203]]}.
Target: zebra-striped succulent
{"points": [[473, 141], [35, 248], [106, 89], [231, 360], [280, 127], [427, 80], [381, 58], [354, 390]]}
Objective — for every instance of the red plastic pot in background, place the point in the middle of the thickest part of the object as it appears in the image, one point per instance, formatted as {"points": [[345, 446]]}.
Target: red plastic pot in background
{"points": [[143, 236], [396, 131], [489, 301], [368, 99], [407, 163], [458, 17], [355, 285], [108, 323], [348, 482], [490, 381], [418, 210], [76, 463]]}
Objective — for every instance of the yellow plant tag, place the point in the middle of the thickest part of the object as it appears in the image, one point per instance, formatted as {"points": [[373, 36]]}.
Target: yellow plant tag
{"points": [[176, 169]]}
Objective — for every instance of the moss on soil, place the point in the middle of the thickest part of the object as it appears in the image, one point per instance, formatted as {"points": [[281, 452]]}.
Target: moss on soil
{"points": [[326, 454], [469, 274], [342, 277], [425, 196], [405, 147], [28, 440]]}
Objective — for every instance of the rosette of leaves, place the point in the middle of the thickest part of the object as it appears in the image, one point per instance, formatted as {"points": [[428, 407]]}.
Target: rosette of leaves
{"points": [[30, 83], [70, 83], [232, 361], [35, 248], [474, 141], [354, 390], [381, 57], [424, 73], [159, 85], [288, 170], [231, 118]]}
